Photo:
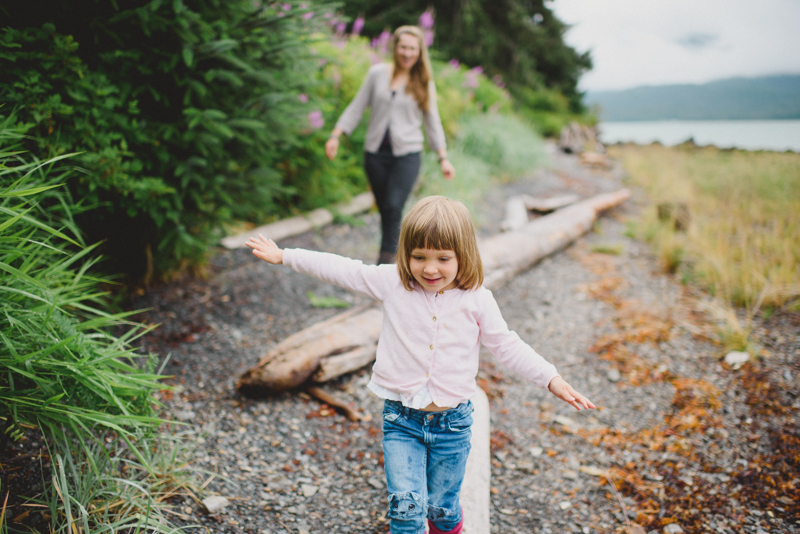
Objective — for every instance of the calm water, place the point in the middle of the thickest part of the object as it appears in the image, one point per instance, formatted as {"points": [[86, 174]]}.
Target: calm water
{"points": [[748, 135]]}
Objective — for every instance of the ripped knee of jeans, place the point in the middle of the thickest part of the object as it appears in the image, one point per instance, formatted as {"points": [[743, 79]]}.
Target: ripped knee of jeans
{"points": [[440, 514], [405, 506]]}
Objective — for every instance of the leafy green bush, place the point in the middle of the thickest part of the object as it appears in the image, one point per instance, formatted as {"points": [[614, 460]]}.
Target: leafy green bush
{"points": [[183, 113]]}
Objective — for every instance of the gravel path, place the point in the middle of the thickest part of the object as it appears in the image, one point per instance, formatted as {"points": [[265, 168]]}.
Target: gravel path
{"points": [[680, 437]]}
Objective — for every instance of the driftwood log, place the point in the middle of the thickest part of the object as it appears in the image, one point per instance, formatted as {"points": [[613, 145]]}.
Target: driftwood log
{"points": [[578, 138], [347, 341]]}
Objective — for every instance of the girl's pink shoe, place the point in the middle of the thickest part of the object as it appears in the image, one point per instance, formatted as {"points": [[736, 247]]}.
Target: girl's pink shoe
{"points": [[456, 530]]}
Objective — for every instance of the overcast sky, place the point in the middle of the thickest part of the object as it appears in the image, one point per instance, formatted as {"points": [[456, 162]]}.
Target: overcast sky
{"points": [[657, 42]]}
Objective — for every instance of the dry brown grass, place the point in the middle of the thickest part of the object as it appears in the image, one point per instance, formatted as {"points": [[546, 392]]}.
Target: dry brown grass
{"points": [[742, 242]]}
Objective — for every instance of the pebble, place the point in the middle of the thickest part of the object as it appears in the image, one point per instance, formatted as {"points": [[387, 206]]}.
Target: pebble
{"points": [[672, 528], [737, 359], [185, 415], [215, 503], [613, 375], [309, 490]]}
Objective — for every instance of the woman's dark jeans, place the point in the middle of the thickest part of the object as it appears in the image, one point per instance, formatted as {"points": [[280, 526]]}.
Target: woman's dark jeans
{"points": [[392, 178]]}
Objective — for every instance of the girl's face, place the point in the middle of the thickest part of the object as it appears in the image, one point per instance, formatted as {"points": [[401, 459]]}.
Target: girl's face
{"points": [[434, 270], [407, 50]]}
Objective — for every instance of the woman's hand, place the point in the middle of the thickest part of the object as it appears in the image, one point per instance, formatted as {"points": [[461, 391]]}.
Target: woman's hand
{"points": [[559, 387], [266, 249], [332, 147], [448, 171]]}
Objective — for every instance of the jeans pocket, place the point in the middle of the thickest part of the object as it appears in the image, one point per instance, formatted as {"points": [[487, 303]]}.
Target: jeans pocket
{"points": [[390, 417], [462, 424]]}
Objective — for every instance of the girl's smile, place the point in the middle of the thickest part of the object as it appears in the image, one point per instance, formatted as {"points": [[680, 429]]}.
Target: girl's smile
{"points": [[434, 270]]}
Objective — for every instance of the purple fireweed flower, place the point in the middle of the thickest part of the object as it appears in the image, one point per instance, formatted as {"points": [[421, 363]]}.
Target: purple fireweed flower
{"points": [[374, 58], [381, 43], [341, 27], [315, 120], [286, 7], [426, 20], [358, 25], [470, 80], [454, 64], [328, 15], [498, 81], [308, 15], [477, 70], [303, 6], [428, 37], [302, 97]]}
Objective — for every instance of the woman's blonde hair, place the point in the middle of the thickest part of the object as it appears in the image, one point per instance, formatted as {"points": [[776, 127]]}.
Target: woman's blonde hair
{"points": [[421, 73], [440, 223]]}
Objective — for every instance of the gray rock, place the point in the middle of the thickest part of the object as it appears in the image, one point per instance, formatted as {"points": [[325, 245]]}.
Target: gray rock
{"points": [[736, 359], [185, 415], [215, 503], [672, 528], [309, 490]]}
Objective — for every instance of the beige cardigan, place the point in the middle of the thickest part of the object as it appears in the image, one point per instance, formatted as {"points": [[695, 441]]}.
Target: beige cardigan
{"points": [[400, 113]]}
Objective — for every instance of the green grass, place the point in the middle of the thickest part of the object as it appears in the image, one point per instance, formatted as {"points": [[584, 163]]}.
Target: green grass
{"points": [[68, 368], [489, 150], [613, 250], [326, 302]]}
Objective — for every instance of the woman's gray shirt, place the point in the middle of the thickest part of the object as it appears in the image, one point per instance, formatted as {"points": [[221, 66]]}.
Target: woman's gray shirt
{"points": [[400, 113]]}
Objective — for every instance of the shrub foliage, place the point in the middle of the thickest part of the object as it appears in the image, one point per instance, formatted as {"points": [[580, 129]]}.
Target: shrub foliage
{"points": [[183, 112]]}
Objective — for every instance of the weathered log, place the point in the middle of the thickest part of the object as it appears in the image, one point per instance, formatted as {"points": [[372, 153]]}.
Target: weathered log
{"points": [[302, 223], [546, 205], [335, 366], [293, 361], [326, 349], [516, 214], [506, 254]]}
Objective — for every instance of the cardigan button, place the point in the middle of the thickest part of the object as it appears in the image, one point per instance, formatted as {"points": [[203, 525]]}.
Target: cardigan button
{"points": [[431, 347], [434, 317]]}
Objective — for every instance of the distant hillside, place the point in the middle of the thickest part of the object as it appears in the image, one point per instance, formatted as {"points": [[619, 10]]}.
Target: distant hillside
{"points": [[768, 97]]}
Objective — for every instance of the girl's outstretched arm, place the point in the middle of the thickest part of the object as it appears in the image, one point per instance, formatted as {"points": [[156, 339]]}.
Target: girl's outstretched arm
{"points": [[266, 249], [561, 389]]}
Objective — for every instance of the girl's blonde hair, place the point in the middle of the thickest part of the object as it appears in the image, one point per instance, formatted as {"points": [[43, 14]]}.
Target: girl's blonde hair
{"points": [[421, 73], [440, 223]]}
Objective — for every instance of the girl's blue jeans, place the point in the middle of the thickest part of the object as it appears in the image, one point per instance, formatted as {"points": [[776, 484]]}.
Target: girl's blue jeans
{"points": [[425, 456]]}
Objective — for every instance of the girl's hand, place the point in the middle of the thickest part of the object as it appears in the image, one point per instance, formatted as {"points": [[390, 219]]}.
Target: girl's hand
{"points": [[559, 387], [266, 249], [448, 171], [331, 147]]}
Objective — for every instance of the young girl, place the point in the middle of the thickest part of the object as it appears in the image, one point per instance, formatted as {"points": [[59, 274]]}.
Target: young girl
{"points": [[436, 315]]}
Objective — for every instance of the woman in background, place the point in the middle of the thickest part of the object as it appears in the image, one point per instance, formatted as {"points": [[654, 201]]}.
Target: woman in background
{"points": [[402, 99]]}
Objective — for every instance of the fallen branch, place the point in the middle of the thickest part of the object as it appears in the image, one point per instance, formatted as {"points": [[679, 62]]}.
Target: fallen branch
{"points": [[330, 400]]}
